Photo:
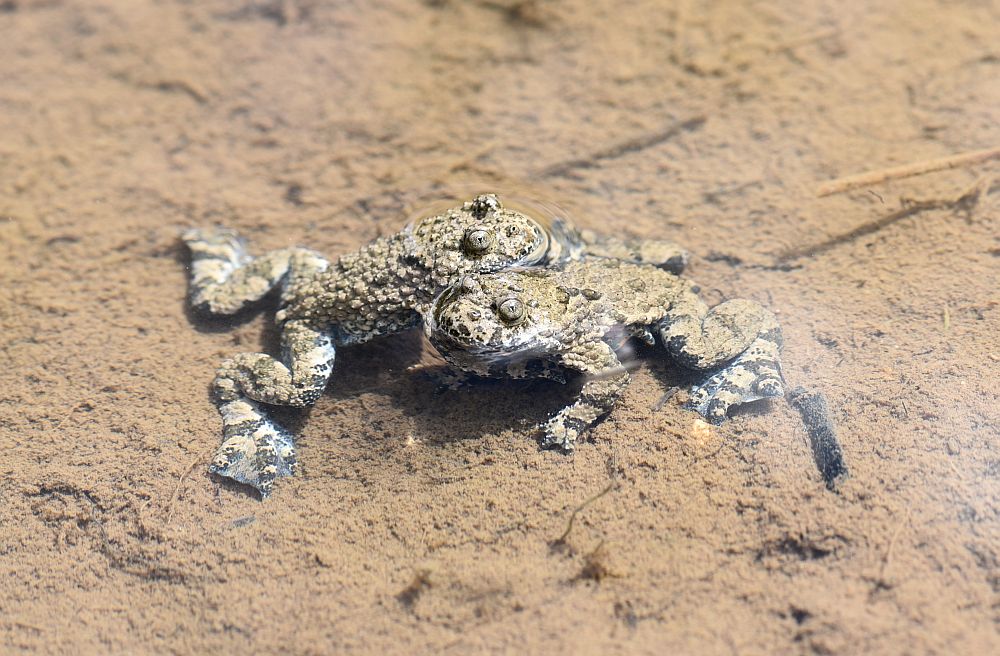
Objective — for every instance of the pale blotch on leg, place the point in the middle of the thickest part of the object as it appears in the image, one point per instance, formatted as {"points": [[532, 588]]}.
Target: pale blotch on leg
{"points": [[699, 338], [255, 450], [753, 375]]}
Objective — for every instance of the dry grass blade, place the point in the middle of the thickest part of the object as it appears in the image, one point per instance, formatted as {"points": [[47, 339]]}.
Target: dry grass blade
{"points": [[576, 511], [850, 182]]}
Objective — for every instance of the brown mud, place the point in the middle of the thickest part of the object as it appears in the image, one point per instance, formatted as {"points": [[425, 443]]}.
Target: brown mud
{"points": [[424, 523]]}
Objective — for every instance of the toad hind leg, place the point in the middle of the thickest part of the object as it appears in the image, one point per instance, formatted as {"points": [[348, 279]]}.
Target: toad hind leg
{"points": [[608, 379], [256, 449], [755, 374], [699, 338], [665, 255], [225, 279], [297, 380]]}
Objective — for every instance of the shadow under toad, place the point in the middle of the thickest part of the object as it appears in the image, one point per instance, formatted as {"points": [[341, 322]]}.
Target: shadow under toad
{"points": [[678, 381], [400, 367], [403, 368]]}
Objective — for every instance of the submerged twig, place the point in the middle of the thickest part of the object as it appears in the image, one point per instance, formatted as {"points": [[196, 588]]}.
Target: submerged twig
{"points": [[803, 40], [669, 394], [905, 171], [966, 199], [826, 449], [572, 518], [622, 148], [887, 557], [180, 482]]}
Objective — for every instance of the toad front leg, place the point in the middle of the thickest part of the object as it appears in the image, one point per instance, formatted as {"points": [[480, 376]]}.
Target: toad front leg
{"points": [[665, 255], [606, 381]]}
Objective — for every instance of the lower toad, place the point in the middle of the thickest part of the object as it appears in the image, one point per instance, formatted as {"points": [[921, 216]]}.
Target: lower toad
{"points": [[543, 322]]}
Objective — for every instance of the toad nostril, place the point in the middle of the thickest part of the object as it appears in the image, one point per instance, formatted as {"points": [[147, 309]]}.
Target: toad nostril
{"points": [[483, 205]]}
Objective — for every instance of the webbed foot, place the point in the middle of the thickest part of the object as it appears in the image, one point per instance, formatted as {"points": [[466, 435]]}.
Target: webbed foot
{"points": [[256, 451], [753, 375], [562, 431]]}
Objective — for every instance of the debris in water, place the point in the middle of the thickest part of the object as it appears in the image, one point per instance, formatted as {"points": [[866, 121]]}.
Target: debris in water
{"points": [[822, 435]]}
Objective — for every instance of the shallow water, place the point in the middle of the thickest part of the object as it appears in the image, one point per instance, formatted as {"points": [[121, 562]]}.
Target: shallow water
{"points": [[424, 522]]}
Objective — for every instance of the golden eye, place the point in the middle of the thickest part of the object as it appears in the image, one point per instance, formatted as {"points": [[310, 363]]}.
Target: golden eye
{"points": [[510, 310], [477, 240]]}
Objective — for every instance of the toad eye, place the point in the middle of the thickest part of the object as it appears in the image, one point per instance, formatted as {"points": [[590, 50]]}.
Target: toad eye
{"points": [[510, 310], [477, 240]]}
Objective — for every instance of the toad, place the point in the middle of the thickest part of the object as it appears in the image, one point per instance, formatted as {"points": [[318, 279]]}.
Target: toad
{"points": [[385, 287], [549, 321]]}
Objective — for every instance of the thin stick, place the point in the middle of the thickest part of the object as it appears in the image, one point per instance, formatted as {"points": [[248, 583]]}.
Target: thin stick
{"points": [[966, 200], [666, 397], [892, 543], [569, 525], [177, 489], [841, 185], [804, 40], [470, 160]]}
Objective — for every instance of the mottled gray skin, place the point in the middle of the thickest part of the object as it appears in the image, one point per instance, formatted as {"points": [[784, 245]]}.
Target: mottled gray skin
{"points": [[383, 288], [534, 322]]}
